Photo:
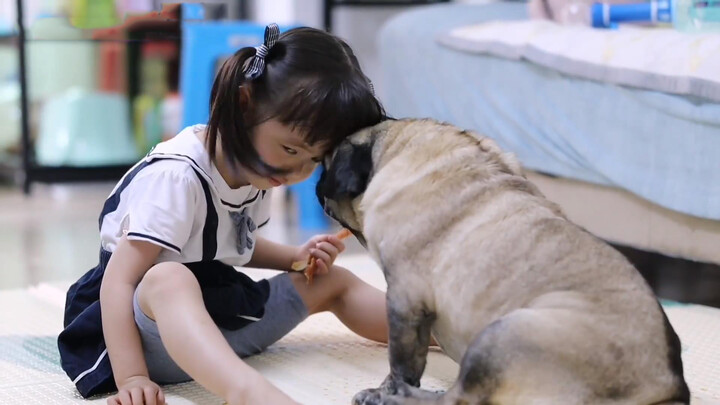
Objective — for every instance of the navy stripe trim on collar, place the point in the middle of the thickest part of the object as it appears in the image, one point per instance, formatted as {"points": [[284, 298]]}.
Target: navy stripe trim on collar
{"points": [[264, 223], [158, 240], [197, 166], [244, 203]]}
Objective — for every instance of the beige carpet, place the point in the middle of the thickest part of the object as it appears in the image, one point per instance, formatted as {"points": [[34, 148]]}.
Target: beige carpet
{"points": [[321, 362]]}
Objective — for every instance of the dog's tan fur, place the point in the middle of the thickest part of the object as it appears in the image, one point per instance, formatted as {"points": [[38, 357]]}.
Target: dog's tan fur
{"points": [[535, 309]]}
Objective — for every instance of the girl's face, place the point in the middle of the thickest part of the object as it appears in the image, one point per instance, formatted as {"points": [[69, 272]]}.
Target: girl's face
{"points": [[283, 147]]}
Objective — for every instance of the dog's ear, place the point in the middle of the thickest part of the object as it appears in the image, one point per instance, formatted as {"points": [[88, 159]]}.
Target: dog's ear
{"points": [[347, 174]]}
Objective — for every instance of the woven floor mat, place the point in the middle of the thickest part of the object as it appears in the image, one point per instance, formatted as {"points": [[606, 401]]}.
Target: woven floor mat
{"points": [[320, 362]]}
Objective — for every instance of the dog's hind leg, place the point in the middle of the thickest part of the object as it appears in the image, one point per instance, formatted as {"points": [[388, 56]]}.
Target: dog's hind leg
{"points": [[511, 362], [548, 356]]}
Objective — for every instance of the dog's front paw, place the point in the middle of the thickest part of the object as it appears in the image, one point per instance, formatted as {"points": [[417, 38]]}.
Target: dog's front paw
{"points": [[371, 396], [394, 386]]}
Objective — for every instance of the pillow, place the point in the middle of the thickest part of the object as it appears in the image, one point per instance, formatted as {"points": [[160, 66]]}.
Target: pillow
{"points": [[660, 59]]}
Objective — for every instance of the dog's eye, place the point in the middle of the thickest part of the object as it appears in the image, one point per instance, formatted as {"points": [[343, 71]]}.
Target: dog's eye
{"points": [[290, 151], [317, 159]]}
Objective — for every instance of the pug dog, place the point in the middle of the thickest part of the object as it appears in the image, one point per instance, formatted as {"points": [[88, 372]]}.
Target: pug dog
{"points": [[535, 309]]}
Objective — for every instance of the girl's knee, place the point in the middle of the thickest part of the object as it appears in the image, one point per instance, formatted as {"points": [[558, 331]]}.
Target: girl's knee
{"points": [[340, 280], [168, 276], [345, 277], [163, 280], [328, 290]]}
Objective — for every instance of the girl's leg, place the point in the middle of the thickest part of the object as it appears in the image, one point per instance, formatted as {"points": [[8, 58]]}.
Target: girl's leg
{"points": [[360, 306], [170, 294]]}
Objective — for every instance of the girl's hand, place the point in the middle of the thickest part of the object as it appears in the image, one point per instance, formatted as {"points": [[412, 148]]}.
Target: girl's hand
{"points": [[324, 248], [138, 390]]}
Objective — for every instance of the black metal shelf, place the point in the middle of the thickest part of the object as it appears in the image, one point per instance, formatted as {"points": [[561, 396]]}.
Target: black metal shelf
{"points": [[24, 107], [124, 40], [23, 168], [64, 174]]}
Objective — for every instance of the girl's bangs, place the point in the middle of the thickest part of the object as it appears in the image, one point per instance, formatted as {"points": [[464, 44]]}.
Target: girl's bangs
{"points": [[328, 112]]}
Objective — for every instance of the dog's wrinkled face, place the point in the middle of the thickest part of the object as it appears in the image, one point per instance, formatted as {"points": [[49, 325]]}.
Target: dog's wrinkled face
{"points": [[345, 177]]}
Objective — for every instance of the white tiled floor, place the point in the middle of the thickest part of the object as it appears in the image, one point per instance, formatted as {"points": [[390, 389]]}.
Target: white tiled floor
{"points": [[51, 235]]}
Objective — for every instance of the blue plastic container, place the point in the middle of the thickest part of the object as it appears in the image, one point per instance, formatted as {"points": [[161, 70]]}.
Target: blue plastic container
{"points": [[685, 15]]}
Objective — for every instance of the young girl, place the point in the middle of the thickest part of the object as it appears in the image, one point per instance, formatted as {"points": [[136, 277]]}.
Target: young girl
{"points": [[164, 304]]}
